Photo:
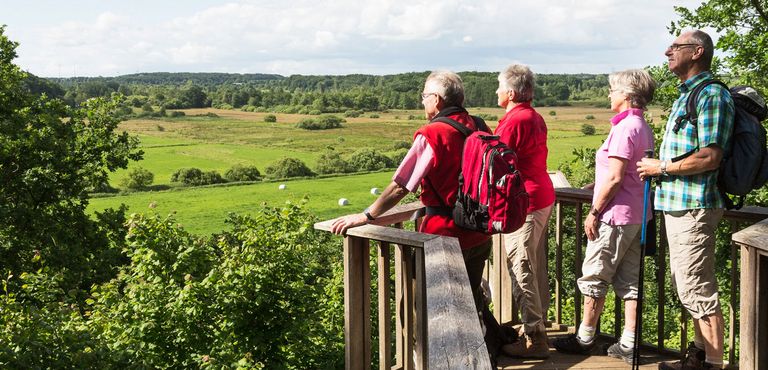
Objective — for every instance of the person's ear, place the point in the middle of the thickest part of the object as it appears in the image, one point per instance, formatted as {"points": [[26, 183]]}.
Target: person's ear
{"points": [[512, 95], [698, 52]]}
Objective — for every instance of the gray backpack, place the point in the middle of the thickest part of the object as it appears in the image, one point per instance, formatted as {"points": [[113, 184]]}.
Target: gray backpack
{"points": [[745, 166]]}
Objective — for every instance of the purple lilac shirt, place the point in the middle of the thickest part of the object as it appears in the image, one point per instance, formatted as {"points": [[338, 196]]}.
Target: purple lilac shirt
{"points": [[630, 136]]}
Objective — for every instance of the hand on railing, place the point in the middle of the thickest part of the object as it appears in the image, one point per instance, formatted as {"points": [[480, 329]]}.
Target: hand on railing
{"points": [[341, 224]]}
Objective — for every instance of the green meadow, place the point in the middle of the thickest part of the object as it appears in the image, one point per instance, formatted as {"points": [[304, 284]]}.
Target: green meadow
{"points": [[235, 137]]}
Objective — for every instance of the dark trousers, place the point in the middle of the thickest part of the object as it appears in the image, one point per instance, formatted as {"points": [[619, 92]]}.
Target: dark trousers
{"points": [[474, 260]]}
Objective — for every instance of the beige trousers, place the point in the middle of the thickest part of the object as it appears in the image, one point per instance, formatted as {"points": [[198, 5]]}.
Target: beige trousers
{"points": [[527, 261]]}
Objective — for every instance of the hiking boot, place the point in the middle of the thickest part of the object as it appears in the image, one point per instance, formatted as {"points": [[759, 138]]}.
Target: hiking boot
{"points": [[694, 360], [616, 350], [533, 346], [573, 345]]}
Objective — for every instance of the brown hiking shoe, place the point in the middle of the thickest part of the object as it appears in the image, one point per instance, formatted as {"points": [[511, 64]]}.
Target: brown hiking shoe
{"points": [[533, 346], [694, 360]]}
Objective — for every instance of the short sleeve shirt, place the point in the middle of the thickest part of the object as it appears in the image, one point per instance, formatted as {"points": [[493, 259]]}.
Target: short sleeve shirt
{"points": [[629, 138], [415, 164], [715, 126]]}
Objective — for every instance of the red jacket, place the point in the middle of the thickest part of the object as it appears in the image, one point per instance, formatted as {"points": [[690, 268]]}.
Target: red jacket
{"points": [[440, 186], [524, 131]]}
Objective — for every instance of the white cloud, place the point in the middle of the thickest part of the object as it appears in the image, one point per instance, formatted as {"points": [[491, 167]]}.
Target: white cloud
{"points": [[351, 36]]}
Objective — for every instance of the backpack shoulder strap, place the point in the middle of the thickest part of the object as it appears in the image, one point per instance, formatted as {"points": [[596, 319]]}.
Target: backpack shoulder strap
{"points": [[691, 115], [464, 130]]}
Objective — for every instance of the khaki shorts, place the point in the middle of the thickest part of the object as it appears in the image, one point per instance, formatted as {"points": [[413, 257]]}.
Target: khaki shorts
{"points": [[612, 258], [691, 236]]}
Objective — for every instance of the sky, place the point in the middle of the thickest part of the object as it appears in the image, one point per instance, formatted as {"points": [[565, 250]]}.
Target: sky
{"points": [[110, 38]]}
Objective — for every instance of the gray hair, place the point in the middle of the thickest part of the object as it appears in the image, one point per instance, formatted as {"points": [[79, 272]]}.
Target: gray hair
{"points": [[636, 84], [702, 38], [448, 85], [520, 79]]}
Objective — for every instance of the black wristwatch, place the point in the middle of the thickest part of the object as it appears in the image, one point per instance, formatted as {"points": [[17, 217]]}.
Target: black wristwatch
{"points": [[367, 213], [594, 212]]}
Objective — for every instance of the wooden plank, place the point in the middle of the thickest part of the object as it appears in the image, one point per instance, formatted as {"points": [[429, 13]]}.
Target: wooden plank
{"points": [[748, 299], [734, 294], [456, 338], [559, 263], [755, 236], [357, 304], [399, 307], [408, 326], [383, 233], [385, 312], [577, 262], [420, 311]]}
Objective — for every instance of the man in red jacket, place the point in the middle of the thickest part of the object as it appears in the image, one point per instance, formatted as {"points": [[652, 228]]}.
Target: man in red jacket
{"points": [[433, 163]]}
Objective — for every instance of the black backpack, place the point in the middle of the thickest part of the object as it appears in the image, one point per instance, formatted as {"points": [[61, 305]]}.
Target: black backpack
{"points": [[745, 166]]}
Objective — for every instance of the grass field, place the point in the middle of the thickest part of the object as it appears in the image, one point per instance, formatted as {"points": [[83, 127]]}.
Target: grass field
{"points": [[237, 137]]}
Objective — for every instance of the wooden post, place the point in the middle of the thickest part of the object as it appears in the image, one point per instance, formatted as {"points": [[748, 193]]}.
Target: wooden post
{"points": [[357, 304], [577, 262], [747, 349], [559, 263], [385, 337]]}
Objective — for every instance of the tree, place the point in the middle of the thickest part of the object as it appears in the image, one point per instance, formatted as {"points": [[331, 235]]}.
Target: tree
{"points": [[51, 155], [138, 178], [744, 28]]}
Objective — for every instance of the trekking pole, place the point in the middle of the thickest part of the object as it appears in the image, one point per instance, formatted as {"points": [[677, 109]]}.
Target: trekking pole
{"points": [[639, 310]]}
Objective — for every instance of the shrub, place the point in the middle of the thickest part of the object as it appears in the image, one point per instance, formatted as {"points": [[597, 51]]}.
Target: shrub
{"points": [[242, 173], [587, 129], [138, 179], [195, 177], [401, 144], [411, 117], [270, 118], [398, 155], [324, 122], [374, 115], [552, 113], [589, 116], [315, 112], [369, 160], [331, 162], [288, 167], [175, 114], [353, 113], [488, 117]]}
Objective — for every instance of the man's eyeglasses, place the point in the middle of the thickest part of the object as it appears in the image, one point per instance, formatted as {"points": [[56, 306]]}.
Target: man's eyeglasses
{"points": [[424, 96], [676, 47]]}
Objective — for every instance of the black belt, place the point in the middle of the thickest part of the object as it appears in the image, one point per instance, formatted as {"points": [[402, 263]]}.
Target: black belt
{"points": [[439, 211]]}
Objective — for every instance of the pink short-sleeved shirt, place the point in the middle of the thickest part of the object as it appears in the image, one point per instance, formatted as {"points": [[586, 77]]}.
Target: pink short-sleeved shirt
{"points": [[415, 165], [630, 136]]}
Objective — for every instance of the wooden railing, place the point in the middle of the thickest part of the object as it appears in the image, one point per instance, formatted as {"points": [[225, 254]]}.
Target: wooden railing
{"points": [[434, 320], [753, 242], [435, 323]]}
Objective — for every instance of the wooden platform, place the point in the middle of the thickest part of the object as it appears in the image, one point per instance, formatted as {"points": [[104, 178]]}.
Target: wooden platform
{"points": [[598, 360]]}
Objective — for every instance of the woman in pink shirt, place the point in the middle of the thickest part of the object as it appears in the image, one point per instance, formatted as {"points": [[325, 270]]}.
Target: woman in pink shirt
{"points": [[614, 222]]}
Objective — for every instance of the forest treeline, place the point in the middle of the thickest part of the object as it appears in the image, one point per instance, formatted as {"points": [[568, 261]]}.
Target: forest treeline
{"points": [[305, 94]]}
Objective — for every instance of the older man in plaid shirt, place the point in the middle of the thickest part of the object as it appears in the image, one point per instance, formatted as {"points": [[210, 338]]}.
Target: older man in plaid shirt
{"points": [[688, 195]]}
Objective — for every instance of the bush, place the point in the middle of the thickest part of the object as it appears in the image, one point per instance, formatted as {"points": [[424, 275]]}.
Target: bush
{"points": [[331, 162], [587, 129], [401, 144], [195, 177], [353, 113], [138, 179], [589, 116], [552, 113], [270, 118], [374, 115], [288, 167], [242, 173], [369, 160], [488, 117], [324, 122], [175, 114], [398, 155], [411, 117]]}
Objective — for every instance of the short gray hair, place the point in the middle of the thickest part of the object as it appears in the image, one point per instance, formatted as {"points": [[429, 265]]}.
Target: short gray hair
{"points": [[636, 84], [520, 79], [700, 37], [448, 85]]}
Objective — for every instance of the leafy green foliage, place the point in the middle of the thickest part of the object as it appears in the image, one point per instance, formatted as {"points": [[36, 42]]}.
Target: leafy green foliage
{"points": [[196, 177], [240, 172], [270, 118], [587, 129], [369, 160], [288, 167], [321, 123], [138, 178], [330, 161]]}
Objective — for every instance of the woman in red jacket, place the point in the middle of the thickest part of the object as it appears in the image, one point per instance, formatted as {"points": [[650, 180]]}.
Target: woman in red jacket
{"points": [[524, 131]]}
